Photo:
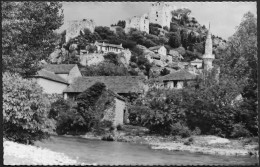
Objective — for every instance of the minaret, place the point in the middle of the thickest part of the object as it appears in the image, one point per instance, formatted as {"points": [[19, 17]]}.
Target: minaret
{"points": [[208, 57]]}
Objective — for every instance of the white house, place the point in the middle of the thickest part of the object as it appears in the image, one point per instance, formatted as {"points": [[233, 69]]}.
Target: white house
{"points": [[55, 78], [50, 82], [105, 47], [159, 50], [66, 71]]}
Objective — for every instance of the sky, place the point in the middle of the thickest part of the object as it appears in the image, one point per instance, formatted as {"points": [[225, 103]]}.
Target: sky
{"points": [[224, 17]]}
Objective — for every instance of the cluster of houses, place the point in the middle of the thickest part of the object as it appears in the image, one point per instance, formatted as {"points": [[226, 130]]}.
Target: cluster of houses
{"points": [[67, 79]]}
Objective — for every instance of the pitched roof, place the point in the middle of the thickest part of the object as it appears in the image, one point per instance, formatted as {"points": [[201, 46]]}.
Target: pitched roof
{"points": [[118, 84], [50, 75], [180, 75], [197, 61], [110, 45], [155, 47], [59, 68]]}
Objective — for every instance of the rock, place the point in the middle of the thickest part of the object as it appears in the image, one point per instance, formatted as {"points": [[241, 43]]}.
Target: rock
{"points": [[219, 141]]}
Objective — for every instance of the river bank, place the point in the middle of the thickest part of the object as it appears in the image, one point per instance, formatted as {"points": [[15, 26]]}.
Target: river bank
{"points": [[206, 144], [21, 154]]}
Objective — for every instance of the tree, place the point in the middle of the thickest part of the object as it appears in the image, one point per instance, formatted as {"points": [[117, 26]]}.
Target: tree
{"points": [[28, 34], [175, 40], [25, 110]]}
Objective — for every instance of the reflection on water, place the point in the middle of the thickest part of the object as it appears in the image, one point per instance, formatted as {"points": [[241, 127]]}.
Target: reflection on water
{"points": [[119, 153]]}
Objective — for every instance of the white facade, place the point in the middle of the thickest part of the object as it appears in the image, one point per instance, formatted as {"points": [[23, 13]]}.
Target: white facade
{"points": [[140, 23], [197, 63], [160, 13], [105, 48], [50, 86]]}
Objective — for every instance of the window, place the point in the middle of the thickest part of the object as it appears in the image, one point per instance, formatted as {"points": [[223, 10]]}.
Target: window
{"points": [[155, 19], [175, 84], [157, 15]]}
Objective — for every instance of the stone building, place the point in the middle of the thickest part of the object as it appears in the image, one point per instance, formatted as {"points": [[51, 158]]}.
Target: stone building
{"points": [[140, 23], [91, 59], [197, 63], [208, 57], [160, 13], [105, 47], [75, 26], [116, 112]]}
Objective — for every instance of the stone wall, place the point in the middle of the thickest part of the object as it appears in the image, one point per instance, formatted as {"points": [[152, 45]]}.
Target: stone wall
{"points": [[140, 23], [75, 26], [91, 59]]}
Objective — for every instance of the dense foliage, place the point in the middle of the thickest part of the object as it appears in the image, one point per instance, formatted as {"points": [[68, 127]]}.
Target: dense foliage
{"points": [[91, 105], [28, 34], [25, 110]]}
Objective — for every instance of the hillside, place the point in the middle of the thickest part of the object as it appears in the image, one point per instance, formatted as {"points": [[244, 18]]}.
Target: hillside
{"points": [[185, 37]]}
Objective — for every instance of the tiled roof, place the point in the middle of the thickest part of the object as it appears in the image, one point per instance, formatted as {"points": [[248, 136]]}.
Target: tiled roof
{"points": [[50, 75], [118, 84], [110, 45], [180, 75], [59, 68]]}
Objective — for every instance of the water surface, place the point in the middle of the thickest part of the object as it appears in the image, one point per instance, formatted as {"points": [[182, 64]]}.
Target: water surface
{"points": [[120, 153]]}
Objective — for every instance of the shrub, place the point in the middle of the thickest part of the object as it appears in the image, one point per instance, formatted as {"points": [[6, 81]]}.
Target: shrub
{"points": [[68, 121], [196, 131], [181, 130], [119, 127], [239, 130], [25, 110]]}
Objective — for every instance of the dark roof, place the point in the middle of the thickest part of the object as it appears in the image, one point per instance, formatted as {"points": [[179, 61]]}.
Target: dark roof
{"points": [[180, 75], [50, 75], [59, 68], [118, 84]]}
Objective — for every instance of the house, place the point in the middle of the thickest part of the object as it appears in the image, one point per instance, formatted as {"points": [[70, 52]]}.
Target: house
{"points": [[159, 49], [122, 85], [66, 71], [117, 111], [105, 47], [178, 79], [50, 82], [197, 63]]}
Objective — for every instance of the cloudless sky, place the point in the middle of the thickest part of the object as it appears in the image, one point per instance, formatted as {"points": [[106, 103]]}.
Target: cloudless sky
{"points": [[224, 17]]}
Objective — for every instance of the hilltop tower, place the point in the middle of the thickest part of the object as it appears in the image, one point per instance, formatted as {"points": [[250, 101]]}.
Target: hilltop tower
{"points": [[160, 13], [208, 57]]}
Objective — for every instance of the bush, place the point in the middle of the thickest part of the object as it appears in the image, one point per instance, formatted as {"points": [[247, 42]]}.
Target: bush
{"points": [[239, 130], [25, 110], [68, 121], [181, 130]]}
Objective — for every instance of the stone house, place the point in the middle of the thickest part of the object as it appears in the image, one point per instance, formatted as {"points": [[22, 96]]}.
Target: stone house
{"points": [[55, 78], [140, 23], [116, 112], [159, 50], [178, 79], [122, 85], [77, 26], [105, 47]]}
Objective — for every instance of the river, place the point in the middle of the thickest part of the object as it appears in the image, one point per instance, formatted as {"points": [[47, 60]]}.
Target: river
{"points": [[120, 153]]}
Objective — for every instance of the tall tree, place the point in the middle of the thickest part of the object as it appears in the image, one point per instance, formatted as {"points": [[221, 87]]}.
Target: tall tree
{"points": [[28, 34]]}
